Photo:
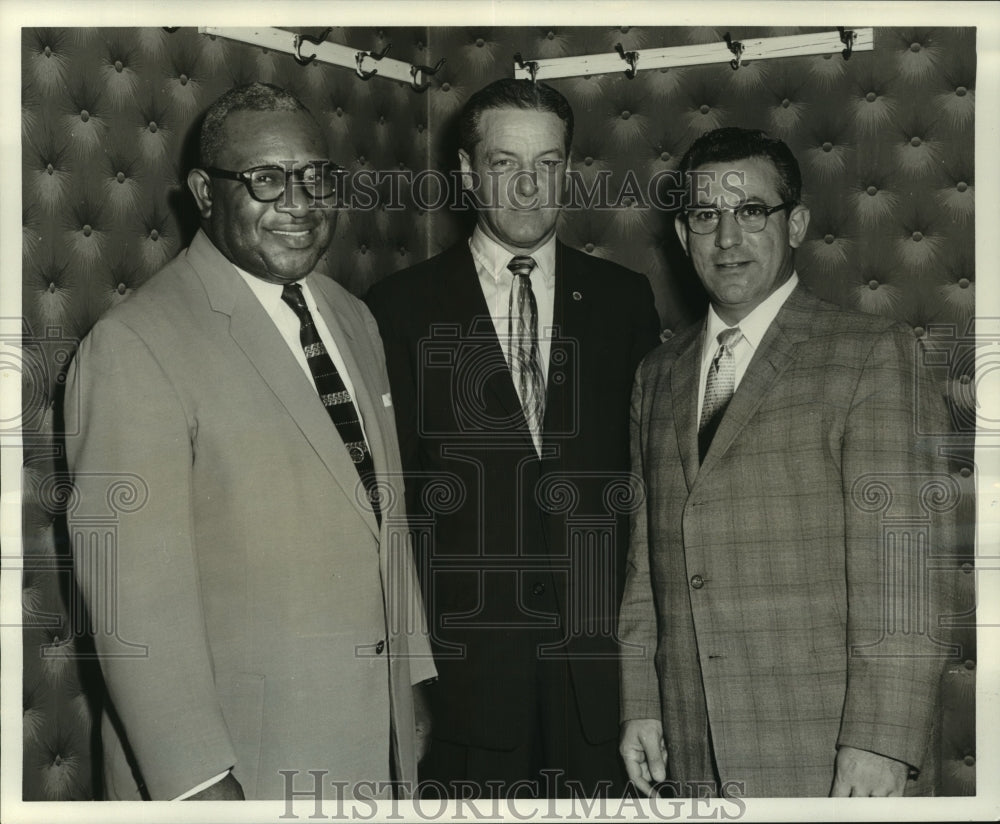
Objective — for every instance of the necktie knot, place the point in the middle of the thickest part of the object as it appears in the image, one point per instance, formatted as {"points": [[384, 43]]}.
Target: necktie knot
{"points": [[292, 295], [729, 337], [521, 265]]}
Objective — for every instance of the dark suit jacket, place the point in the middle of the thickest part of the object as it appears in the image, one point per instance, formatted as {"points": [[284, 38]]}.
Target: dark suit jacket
{"points": [[782, 598], [521, 557]]}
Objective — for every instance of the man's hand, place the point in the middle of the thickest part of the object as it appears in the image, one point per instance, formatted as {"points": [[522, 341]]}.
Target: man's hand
{"points": [[644, 753], [862, 773], [226, 789], [422, 719]]}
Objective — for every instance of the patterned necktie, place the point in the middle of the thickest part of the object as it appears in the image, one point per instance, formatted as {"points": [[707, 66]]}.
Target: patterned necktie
{"points": [[522, 346], [718, 388], [332, 391]]}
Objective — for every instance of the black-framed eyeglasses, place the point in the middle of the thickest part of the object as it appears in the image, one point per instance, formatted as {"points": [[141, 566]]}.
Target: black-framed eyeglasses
{"points": [[267, 183], [750, 217]]}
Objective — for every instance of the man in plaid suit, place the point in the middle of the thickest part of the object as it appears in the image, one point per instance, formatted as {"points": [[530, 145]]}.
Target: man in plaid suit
{"points": [[774, 642]]}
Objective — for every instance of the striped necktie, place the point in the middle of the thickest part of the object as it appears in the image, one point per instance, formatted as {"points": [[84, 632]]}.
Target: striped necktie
{"points": [[332, 391], [719, 387], [522, 346]]}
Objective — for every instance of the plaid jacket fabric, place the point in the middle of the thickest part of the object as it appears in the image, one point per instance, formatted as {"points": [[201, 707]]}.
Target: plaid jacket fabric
{"points": [[778, 599]]}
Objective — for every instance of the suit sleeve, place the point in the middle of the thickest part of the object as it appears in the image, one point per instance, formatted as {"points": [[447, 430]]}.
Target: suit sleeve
{"points": [[134, 553], [897, 509], [640, 692]]}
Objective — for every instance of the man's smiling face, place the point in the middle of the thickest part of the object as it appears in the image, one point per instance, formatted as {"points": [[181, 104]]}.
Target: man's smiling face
{"points": [[740, 269], [282, 241]]}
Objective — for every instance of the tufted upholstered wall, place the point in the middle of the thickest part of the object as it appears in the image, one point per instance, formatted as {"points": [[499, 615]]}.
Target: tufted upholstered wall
{"points": [[885, 140]]}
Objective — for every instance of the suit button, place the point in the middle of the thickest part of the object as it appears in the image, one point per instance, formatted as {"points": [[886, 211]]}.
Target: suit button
{"points": [[697, 582], [538, 589], [379, 647]]}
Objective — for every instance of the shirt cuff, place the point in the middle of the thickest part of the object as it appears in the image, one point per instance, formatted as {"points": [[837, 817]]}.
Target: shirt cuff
{"points": [[204, 785]]}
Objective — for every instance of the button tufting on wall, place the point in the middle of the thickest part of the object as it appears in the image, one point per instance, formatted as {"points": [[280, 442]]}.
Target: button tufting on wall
{"points": [[917, 236], [480, 42], [626, 114], [969, 760], [961, 91], [588, 161], [914, 47], [84, 115], [872, 190], [963, 283], [624, 29], [57, 760], [828, 238], [965, 472], [961, 185], [47, 51], [827, 146], [966, 567], [154, 235], [362, 160], [965, 380], [914, 141], [381, 120], [666, 335], [970, 664], [363, 248], [785, 103], [120, 177], [873, 284], [551, 35], [119, 66], [121, 287], [420, 127], [50, 169], [918, 331], [446, 86], [871, 97], [705, 108], [664, 156], [87, 229], [339, 111], [589, 247], [152, 126], [184, 79], [52, 288]]}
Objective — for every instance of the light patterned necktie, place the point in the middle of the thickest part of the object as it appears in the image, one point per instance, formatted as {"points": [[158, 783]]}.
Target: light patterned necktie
{"points": [[718, 387], [522, 346], [333, 392]]}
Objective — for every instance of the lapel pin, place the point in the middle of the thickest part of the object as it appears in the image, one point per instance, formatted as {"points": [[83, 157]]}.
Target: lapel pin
{"points": [[577, 296]]}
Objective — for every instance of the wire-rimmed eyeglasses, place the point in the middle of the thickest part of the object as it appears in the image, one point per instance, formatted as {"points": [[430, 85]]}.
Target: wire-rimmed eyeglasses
{"points": [[267, 183], [750, 217]]}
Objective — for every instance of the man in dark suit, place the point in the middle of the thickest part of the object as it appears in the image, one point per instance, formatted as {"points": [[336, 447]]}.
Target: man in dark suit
{"points": [[511, 358], [236, 409], [779, 613]]}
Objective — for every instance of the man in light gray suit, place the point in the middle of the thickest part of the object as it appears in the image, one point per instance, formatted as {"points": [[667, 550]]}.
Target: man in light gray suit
{"points": [[776, 641], [264, 566]]}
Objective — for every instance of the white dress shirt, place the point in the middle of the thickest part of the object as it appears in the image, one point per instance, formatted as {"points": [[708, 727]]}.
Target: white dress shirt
{"points": [[496, 279], [753, 326]]}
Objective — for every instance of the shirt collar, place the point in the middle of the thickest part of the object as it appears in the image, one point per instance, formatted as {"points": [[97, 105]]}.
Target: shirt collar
{"points": [[493, 258], [269, 294], [755, 325]]}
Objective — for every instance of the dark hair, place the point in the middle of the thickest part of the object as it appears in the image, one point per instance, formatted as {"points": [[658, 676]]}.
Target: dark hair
{"points": [[508, 93], [733, 143], [253, 97]]}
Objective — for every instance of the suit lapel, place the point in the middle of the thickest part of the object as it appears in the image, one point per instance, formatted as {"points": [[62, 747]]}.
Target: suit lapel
{"points": [[256, 335], [684, 378], [775, 353], [463, 304], [571, 323], [350, 348]]}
